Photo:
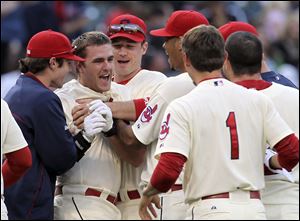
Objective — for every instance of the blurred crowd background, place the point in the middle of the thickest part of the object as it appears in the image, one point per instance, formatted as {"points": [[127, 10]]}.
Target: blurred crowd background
{"points": [[276, 21]]}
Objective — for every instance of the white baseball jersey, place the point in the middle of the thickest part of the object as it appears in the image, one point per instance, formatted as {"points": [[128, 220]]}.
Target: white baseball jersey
{"points": [[146, 128], [222, 129], [278, 189], [142, 85], [100, 168], [12, 138]]}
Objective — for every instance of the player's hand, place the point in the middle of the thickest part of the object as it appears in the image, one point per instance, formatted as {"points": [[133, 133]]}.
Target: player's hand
{"points": [[145, 204], [270, 154], [79, 112], [94, 124], [101, 108]]}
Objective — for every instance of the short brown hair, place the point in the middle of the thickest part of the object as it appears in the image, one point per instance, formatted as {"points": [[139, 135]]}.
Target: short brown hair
{"points": [[35, 65], [89, 39], [204, 46], [245, 53]]}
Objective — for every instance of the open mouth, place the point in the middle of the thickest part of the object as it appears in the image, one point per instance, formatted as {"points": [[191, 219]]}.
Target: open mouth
{"points": [[105, 77], [123, 62]]}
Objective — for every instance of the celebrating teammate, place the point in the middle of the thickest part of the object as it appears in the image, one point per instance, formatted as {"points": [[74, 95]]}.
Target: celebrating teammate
{"points": [[225, 170], [281, 194]]}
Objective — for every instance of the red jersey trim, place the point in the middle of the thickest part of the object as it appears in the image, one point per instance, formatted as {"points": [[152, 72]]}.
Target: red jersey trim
{"points": [[256, 84]]}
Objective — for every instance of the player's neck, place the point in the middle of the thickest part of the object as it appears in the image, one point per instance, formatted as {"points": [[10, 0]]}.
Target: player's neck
{"points": [[201, 76], [245, 77], [122, 78]]}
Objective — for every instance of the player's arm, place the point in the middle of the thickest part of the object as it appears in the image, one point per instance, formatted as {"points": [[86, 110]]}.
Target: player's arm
{"points": [[15, 165], [164, 176], [281, 138], [133, 153], [127, 110]]}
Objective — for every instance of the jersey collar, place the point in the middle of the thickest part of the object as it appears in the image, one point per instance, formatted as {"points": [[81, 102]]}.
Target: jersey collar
{"points": [[256, 84]]}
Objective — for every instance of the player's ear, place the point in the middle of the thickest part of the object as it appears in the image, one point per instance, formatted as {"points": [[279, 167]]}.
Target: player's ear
{"points": [[186, 60], [144, 47], [52, 63]]}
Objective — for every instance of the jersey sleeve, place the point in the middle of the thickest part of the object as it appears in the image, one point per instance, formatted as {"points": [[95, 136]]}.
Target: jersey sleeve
{"points": [[275, 128], [146, 128], [174, 133], [13, 138], [53, 141]]}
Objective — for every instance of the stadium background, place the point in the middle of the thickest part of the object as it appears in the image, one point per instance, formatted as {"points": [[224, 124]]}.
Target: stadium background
{"points": [[276, 21]]}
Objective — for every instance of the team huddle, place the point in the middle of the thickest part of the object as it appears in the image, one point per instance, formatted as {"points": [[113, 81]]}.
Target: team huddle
{"points": [[219, 141]]}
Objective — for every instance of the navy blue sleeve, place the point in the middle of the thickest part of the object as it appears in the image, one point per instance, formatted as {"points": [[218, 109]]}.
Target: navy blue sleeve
{"points": [[272, 76], [53, 141]]}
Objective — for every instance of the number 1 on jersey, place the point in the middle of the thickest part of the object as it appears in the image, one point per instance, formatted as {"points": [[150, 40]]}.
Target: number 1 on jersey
{"points": [[231, 123]]}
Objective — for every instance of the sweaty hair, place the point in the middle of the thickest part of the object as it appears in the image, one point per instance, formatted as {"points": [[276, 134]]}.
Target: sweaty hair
{"points": [[244, 53], [35, 65], [89, 39], [204, 46]]}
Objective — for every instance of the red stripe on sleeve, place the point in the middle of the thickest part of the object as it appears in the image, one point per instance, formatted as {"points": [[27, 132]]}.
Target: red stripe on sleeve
{"points": [[15, 165], [288, 152], [140, 105], [167, 171]]}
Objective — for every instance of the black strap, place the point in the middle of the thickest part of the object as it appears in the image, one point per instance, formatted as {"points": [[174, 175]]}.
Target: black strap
{"points": [[82, 144], [113, 131]]}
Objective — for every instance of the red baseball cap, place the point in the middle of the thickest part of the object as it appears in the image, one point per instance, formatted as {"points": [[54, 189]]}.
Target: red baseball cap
{"points": [[128, 26], [47, 44], [180, 22], [236, 26]]}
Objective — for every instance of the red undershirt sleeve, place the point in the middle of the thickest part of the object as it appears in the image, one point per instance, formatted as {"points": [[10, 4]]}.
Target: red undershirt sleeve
{"points": [[15, 165], [288, 151], [167, 171], [140, 105]]}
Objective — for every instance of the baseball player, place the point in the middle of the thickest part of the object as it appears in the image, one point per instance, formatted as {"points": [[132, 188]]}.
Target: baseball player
{"points": [[128, 35], [38, 112], [281, 194], [266, 73], [89, 189], [16, 150], [227, 144]]}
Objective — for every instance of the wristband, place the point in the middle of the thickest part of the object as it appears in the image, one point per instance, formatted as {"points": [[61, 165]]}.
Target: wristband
{"points": [[113, 131], [82, 145]]}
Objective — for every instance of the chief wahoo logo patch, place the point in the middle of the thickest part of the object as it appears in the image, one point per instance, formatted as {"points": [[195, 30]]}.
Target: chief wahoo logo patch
{"points": [[147, 114], [165, 128]]}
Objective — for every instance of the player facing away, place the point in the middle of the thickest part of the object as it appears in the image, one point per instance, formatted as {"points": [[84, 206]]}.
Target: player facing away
{"points": [[266, 74], [128, 35], [223, 147], [281, 194]]}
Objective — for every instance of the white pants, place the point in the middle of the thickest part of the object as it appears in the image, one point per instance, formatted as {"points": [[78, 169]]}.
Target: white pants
{"points": [[173, 206], [238, 207], [3, 210], [77, 207], [282, 212]]}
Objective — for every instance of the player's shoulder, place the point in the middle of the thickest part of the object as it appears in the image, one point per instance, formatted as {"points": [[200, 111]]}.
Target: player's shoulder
{"points": [[181, 82], [148, 76], [284, 88], [120, 92]]}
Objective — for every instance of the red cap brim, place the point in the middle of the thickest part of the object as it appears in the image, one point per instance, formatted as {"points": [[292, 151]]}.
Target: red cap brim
{"points": [[71, 57], [137, 37], [161, 33]]}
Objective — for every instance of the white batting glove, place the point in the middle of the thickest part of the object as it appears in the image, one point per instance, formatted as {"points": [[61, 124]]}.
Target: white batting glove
{"points": [[101, 108], [93, 124], [269, 154]]}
